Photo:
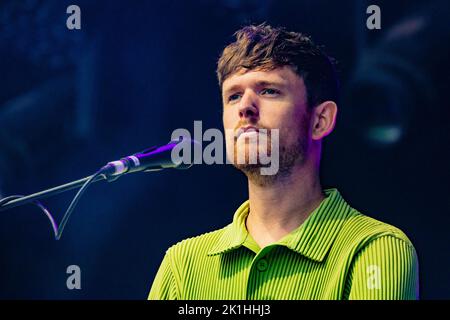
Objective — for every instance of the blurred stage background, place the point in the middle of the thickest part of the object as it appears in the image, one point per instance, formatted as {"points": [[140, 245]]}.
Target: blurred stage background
{"points": [[70, 101]]}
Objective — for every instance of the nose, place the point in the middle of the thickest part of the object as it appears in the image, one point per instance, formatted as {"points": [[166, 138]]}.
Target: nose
{"points": [[248, 108]]}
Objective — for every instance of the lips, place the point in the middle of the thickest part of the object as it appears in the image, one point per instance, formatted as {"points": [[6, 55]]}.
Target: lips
{"points": [[246, 129], [241, 130]]}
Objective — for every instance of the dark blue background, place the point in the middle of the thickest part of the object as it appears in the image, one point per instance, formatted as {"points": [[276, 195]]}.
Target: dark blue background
{"points": [[70, 101]]}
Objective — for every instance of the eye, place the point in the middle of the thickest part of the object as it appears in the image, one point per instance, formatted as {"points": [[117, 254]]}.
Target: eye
{"points": [[233, 97], [270, 91]]}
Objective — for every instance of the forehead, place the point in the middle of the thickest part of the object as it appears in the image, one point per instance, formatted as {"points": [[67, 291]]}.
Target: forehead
{"points": [[283, 76]]}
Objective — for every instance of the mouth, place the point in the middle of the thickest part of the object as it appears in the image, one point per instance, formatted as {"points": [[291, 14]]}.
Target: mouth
{"points": [[247, 130]]}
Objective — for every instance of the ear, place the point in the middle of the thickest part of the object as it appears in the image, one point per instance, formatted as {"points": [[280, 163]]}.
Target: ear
{"points": [[324, 119]]}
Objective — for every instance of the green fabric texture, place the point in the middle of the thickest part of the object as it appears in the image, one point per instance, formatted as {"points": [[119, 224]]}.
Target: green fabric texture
{"points": [[337, 253]]}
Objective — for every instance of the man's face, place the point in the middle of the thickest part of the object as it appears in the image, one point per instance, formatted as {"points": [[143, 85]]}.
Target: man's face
{"points": [[273, 99]]}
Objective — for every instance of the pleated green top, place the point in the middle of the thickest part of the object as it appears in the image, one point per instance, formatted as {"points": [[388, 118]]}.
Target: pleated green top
{"points": [[337, 253]]}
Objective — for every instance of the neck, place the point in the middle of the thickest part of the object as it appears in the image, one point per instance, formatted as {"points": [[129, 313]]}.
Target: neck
{"points": [[279, 208]]}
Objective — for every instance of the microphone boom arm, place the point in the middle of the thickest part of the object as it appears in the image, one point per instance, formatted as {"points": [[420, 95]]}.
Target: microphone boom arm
{"points": [[5, 204]]}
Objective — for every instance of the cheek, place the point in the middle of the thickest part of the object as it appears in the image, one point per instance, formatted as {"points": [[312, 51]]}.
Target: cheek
{"points": [[293, 126], [229, 119], [229, 123], [279, 118]]}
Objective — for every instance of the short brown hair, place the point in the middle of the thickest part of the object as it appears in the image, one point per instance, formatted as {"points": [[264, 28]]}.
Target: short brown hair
{"points": [[263, 47]]}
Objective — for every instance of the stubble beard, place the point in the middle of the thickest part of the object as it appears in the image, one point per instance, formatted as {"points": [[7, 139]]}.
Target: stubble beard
{"points": [[290, 156]]}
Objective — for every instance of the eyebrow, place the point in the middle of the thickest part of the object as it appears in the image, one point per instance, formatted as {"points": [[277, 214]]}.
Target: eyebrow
{"points": [[261, 83]]}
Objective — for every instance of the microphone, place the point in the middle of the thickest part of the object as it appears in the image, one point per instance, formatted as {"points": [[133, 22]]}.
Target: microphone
{"points": [[151, 159]]}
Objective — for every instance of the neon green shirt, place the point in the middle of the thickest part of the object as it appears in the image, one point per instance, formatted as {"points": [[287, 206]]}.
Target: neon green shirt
{"points": [[337, 253]]}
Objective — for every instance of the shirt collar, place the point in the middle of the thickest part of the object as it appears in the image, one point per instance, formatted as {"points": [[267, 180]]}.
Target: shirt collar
{"points": [[313, 238]]}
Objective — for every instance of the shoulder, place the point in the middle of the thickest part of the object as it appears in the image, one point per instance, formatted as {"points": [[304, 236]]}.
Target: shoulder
{"points": [[198, 245], [360, 230], [380, 256]]}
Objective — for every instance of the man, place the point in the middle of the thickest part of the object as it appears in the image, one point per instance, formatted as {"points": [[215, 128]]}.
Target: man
{"points": [[291, 239]]}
